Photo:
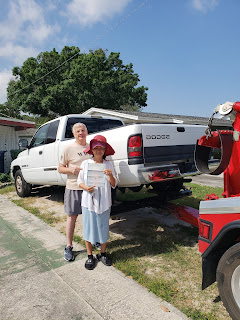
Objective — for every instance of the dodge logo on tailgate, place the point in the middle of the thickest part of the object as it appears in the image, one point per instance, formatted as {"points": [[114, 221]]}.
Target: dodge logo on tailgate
{"points": [[158, 136]]}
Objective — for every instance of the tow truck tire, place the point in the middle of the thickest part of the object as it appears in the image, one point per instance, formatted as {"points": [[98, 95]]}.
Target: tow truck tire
{"points": [[228, 280], [23, 188]]}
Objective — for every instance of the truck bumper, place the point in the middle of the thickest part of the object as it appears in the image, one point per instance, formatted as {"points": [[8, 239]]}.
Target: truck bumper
{"points": [[148, 175]]}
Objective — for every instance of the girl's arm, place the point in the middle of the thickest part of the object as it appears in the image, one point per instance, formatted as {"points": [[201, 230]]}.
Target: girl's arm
{"points": [[112, 180], [80, 179], [111, 174], [84, 187]]}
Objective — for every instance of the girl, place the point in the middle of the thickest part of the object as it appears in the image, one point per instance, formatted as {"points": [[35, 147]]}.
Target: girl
{"points": [[96, 200]]}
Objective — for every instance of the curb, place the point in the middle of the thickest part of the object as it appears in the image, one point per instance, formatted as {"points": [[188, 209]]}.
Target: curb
{"points": [[5, 184]]}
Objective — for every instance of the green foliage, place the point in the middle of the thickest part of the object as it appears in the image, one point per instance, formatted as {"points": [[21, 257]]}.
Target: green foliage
{"points": [[7, 189], [196, 314], [4, 177], [9, 110], [216, 153], [14, 153], [84, 81], [37, 119]]}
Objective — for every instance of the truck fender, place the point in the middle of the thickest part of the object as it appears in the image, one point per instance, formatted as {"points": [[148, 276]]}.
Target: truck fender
{"points": [[226, 238], [14, 170]]}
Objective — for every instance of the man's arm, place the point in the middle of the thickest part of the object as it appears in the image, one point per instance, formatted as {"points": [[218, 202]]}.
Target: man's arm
{"points": [[67, 170]]}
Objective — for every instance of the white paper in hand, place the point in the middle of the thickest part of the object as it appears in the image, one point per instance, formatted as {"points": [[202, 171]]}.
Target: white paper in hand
{"points": [[95, 175]]}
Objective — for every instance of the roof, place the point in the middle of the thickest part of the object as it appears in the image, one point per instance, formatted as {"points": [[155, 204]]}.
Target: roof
{"points": [[17, 123], [133, 116]]}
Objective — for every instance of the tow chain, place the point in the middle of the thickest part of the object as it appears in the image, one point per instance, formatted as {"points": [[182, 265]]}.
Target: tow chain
{"points": [[209, 126]]}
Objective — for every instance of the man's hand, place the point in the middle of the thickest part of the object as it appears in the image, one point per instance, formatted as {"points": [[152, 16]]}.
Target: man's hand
{"points": [[67, 170], [75, 170]]}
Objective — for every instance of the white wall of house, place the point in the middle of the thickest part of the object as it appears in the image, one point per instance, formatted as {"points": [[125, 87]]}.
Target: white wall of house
{"points": [[8, 141], [26, 134]]}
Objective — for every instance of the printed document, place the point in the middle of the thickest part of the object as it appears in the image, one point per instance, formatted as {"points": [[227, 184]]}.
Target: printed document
{"points": [[95, 175]]}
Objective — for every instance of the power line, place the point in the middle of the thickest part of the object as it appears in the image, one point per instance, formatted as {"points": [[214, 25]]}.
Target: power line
{"points": [[90, 44]]}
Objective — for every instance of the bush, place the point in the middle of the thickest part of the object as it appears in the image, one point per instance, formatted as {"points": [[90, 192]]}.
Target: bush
{"points": [[4, 177], [216, 153], [14, 153]]}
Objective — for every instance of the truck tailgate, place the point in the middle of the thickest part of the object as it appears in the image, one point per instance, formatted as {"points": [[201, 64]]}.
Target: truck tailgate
{"points": [[169, 143]]}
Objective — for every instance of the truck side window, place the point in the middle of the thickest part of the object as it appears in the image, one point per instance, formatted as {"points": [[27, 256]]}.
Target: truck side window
{"points": [[52, 132], [40, 136], [103, 124], [114, 123], [91, 125]]}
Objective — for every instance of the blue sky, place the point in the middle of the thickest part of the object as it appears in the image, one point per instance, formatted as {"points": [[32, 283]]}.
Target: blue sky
{"points": [[185, 51]]}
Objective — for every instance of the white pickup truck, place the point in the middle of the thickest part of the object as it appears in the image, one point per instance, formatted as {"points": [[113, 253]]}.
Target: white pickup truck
{"points": [[157, 155]]}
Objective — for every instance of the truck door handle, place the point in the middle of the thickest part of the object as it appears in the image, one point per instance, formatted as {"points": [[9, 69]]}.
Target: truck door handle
{"points": [[40, 152]]}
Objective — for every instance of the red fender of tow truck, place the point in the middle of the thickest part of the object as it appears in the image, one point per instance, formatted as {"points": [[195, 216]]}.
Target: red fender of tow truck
{"points": [[185, 213]]}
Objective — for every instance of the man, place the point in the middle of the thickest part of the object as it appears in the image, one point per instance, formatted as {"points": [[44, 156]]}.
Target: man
{"points": [[69, 164]]}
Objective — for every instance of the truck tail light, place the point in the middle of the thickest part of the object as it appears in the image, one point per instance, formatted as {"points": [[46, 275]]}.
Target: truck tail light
{"points": [[135, 146], [204, 230]]}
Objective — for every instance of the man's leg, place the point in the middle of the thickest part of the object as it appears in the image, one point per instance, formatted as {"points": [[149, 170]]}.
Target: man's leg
{"points": [[70, 226]]}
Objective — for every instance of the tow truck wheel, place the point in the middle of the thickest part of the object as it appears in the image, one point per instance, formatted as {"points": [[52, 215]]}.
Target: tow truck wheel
{"points": [[228, 280], [23, 188]]}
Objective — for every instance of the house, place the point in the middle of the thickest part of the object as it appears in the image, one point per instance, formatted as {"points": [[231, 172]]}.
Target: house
{"points": [[144, 117], [11, 130]]}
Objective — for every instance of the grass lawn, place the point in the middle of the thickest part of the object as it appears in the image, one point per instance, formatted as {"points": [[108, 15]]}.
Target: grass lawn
{"points": [[166, 259]]}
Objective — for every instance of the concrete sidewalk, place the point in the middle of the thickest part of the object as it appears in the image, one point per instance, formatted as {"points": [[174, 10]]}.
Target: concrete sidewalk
{"points": [[209, 180], [36, 283]]}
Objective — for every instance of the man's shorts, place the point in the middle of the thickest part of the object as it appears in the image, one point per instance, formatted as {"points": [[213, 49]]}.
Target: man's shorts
{"points": [[72, 202]]}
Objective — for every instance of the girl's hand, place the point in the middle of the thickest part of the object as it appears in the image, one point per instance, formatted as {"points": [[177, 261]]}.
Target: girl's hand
{"points": [[90, 189], [108, 172], [84, 187]]}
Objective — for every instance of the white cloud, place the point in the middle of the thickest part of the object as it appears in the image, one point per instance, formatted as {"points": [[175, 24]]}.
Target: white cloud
{"points": [[204, 5], [25, 22], [5, 77], [16, 53], [92, 11]]}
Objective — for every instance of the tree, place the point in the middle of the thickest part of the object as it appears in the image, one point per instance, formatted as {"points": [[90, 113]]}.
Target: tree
{"points": [[82, 81], [7, 110]]}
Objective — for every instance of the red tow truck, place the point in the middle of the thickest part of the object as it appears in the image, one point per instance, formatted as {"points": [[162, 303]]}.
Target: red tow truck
{"points": [[218, 219]]}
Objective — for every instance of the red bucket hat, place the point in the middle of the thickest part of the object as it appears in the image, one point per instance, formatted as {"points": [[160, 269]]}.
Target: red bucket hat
{"points": [[102, 142]]}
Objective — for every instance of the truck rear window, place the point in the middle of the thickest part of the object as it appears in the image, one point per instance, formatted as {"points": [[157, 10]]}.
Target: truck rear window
{"points": [[93, 125]]}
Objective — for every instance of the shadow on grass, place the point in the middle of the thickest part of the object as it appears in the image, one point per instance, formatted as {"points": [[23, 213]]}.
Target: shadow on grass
{"points": [[53, 193], [150, 237]]}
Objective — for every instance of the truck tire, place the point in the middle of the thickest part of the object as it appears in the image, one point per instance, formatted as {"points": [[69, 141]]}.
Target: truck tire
{"points": [[228, 280], [23, 188]]}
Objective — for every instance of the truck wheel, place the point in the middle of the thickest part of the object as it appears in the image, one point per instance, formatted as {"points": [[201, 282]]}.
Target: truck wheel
{"points": [[23, 188], [228, 280]]}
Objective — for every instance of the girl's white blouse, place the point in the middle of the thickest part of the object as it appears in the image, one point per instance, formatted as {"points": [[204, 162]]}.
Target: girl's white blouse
{"points": [[100, 200]]}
